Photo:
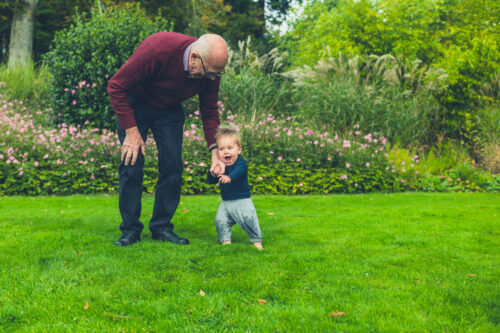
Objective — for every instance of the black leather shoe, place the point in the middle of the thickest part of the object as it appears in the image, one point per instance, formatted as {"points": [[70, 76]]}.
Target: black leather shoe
{"points": [[169, 236], [128, 238]]}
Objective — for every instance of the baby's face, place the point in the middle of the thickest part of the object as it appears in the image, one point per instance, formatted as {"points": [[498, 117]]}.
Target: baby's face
{"points": [[228, 150]]}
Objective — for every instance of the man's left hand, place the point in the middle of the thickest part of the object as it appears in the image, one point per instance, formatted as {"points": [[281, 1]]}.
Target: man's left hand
{"points": [[218, 167]]}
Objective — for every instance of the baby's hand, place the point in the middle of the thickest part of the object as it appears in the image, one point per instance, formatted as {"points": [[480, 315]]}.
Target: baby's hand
{"points": [[224, 179]]}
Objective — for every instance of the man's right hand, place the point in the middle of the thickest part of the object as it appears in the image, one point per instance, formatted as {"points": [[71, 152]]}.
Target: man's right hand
{"points": [[131, 145]]}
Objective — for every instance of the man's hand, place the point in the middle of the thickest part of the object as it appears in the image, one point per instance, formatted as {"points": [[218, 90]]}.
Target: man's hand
{"points": [[224, 179], [131, 145], [218, 167]]}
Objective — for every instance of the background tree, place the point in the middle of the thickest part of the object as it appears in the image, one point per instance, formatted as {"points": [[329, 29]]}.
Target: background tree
{"points": [[21, 36]]}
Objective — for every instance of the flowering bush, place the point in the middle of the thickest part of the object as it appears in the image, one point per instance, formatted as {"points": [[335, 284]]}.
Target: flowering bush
{"points": [[285, 157]]}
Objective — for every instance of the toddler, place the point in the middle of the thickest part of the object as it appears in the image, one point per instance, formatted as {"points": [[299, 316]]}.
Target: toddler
{"points": [[236, 206]]}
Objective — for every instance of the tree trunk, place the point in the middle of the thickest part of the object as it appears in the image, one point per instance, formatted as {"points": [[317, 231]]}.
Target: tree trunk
{"points": [[21, 33]]}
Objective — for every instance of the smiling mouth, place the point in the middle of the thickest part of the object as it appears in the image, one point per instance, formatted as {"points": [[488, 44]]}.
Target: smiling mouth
{"points": [[227, 159]]}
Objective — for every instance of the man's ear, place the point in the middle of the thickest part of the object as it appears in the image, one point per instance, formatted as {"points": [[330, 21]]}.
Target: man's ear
{"points": [[194, 55]]}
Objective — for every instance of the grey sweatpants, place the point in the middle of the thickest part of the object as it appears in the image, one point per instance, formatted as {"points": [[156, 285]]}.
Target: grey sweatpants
{"points": [[241, 212]]}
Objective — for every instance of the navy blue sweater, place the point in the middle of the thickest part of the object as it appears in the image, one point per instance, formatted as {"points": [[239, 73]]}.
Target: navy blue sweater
{"points": [[238, 187]]}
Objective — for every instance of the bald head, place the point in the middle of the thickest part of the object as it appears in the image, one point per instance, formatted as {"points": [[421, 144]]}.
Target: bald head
{"points": [[213, 49]]}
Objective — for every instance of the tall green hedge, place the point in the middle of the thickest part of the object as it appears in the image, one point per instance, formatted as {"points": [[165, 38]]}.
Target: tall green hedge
{"points": [[85, 56]]}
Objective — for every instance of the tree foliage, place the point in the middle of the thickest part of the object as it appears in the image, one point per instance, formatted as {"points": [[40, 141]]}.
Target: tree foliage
{"points": [[84, 57], [459, 36]]}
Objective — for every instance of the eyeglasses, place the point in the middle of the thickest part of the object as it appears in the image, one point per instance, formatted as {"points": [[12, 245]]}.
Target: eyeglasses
{"points": [[209, 75]]}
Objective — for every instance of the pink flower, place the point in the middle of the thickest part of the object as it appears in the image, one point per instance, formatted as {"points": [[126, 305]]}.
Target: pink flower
{"points": [[343, 177], [402, 181], [280, 158], [260, 178], [347, 144], [329, 158], [92, 176], [367, 164], [271, 152], [298, 159], [36, 163], [301, 184], [202, 164], [73, 91], [74, 102], [347, 165], [46, 156], [355, 184], [193, 126]]}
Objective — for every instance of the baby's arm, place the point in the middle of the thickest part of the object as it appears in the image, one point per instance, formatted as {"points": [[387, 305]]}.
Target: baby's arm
{"points": [[211, 178], [240, 168]]}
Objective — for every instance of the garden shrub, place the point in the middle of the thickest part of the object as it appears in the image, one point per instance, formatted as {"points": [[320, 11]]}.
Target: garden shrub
{"points": [[85, 56], [253, 82], [36, 159], [379, 93]]}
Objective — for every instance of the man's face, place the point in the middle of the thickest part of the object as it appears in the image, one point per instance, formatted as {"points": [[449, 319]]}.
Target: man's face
{"points": [[200, 68]]}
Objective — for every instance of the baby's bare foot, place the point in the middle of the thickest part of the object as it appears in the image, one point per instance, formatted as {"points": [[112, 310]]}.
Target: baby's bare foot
{"points": [[258, 246], [226, 243]]}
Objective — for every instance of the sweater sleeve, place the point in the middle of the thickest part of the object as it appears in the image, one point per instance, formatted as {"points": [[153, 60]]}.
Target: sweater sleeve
{"points": [[239, 169], [208, 95], [135, 71], [211, 179]]}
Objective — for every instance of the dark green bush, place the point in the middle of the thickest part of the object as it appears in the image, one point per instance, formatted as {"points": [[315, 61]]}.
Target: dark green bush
{"points": [[85, 56]]}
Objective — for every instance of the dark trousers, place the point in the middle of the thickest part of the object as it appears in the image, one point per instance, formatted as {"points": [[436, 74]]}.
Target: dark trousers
{"points": [[167, 128]]}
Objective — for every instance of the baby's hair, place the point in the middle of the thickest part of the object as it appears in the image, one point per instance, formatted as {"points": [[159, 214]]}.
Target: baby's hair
{"points": [[228, 131]]}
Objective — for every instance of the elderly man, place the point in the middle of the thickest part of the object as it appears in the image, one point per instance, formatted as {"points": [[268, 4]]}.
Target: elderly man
{"points": [[165, 69]]}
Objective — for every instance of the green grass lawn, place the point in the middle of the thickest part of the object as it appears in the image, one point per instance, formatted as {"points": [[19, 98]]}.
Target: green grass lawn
{"points": [[391, 262]]}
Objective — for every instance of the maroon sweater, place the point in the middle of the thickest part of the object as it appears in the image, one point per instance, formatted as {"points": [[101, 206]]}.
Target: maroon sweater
{"points": [[155, 73]]}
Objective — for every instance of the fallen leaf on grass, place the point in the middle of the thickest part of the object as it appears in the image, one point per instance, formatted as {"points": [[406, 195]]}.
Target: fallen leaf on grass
{"points": [[78, 253], [185, 210], [337, 313], [86, 306], [418, 280], [472, 275], [262, 301], [202, 293], [270, 213]]}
